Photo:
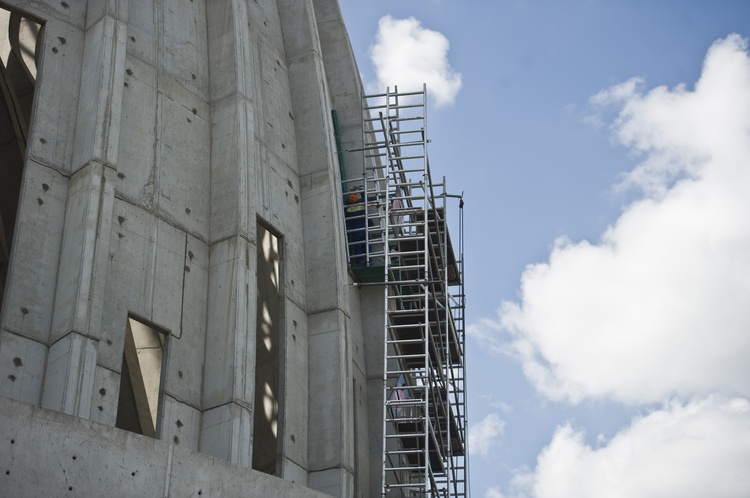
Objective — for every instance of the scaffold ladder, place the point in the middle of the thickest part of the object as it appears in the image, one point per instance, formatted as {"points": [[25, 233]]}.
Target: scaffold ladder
{"points": [[396, 222]]}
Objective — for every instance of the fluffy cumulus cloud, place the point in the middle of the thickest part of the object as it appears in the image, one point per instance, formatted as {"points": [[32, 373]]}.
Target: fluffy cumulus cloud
{"points": [[697, 449], [486, 434], [409, 55], [658, 307]]}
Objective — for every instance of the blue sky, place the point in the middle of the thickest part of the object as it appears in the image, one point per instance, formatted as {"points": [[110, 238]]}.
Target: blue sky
{"points": [[586, 147]]}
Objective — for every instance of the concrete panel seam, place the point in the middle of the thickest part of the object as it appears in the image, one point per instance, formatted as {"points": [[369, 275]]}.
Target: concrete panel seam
{"points": [[246, 239], [185, 269], [168, 472], [17, 334], [154, 211], [78, 332], [241, 403], [182, 400]]}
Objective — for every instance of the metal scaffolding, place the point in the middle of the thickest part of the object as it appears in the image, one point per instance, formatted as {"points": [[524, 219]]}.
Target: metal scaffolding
{"points": [[397, 234]]}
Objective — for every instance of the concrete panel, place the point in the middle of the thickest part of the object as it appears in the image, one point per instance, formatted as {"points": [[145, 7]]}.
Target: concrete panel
{"points": [[69, 380], [146, 277], [324, 242], [130, 279], [28, 303], [298, 27], [230, 334], [194, 475], [326, 11], [53, 454], [52, 132], [105, 396], [333, 482], [343, 81], [373, 328], [180, 424], [325, 254], [142, 37], [21, 367], [375, 414], [277, 105], [169, 277], [233, 155], [226, 433], [327, 376], [185, 44], [98, 123], [295, 414], [184, 379], [230, 51], [361, 443], [292, 472], [183, 163], [265, 23], [356, 325], [97, 9], [85, 251], [135, 168]]}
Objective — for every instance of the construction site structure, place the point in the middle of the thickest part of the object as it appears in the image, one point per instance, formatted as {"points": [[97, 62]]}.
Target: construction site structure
{"points": [[191, 305], [398, 238]]}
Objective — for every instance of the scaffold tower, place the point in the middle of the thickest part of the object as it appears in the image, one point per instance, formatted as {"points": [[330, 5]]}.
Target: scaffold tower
{"points": [[397, 233]]}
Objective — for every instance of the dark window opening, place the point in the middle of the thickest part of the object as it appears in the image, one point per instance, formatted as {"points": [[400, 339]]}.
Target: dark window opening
{"points": [[141, 379], [267, 352], [20, 39]]}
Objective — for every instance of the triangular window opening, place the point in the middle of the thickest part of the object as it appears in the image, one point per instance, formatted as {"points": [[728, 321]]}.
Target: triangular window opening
{"points": [[141, 379]]}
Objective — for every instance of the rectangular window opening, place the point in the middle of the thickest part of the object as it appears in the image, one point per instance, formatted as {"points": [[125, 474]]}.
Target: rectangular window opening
{"points": [[141, 379], [268, 396]]}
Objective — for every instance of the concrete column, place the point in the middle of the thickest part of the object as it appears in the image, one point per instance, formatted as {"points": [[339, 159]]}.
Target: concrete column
{"points": [[26, 315], [100, 104], [330, 450], [367, 304], [79, 295], [27, 306], [229, 387]]}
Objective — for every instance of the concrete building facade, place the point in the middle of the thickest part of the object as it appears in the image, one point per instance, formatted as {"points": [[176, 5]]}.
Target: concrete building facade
{"points": [[177, 315]]}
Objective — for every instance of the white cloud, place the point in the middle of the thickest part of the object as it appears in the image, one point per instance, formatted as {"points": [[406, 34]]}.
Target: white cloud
{"points": [[493, 493], [699, 449], [409, 55], [486, 434], [659, 306]]}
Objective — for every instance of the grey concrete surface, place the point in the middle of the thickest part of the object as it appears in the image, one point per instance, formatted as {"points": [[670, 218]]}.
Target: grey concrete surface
{"points": [[161, 134]]}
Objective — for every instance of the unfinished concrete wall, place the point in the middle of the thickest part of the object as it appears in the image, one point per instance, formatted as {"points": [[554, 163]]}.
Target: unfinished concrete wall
{"points": [[86, 463], [163, 134]]}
